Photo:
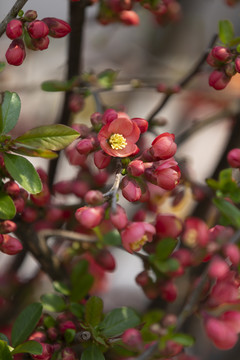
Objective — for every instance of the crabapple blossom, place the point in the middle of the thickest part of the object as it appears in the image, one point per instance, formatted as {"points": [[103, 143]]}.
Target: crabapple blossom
{"points": [[101, 159], [90, 217], [136, 168], [223, 336], [10, 245], [218, 80], [168, 225], [37, 29], [14, 29], [57, 28], [16, 52], [136, 234], [119, 218], [233, 158], [106, 260], [167, 174], [130, 189], [163, 146], [132, 338], [195, 232]]}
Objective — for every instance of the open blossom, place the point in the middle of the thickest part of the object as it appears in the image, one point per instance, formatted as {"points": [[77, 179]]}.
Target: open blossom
{"points": [[136, 234], [118, 138]]}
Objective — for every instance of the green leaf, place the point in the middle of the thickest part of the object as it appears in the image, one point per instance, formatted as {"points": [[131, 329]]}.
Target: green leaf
{"points": [[81, 281], [50, 137], [49, 321], [2, 66], [61, 288], [166, 266], [31, 347], [23, 172], [69, 335], [10, 107], [23, 149], [77, 309], [229, 211], [7, 207], [212, 184], [56, 85], [226, 32], [92, 352], [4, 351], [183, 339], [53, 302], [94, 308], [26, 323], [165, 248], [4, 338], [234, 41], [151, 317], [238, 48], [112, 238], [119, 320], [106, 78]]}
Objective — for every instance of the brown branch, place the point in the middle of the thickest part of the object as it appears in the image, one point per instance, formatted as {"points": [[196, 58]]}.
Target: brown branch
{"points": [[19, 4], [184, 81]]}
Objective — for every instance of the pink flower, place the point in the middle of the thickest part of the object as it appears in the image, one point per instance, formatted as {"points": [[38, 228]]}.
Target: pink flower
{"points": [[136, 234], [90, 217], [163, 147], [167, 174], [220, 332], [118, 137]]}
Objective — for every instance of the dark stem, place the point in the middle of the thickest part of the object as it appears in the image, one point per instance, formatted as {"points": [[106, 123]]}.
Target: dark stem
{"points": [[19, 4], [184, 81], [75, 63]]}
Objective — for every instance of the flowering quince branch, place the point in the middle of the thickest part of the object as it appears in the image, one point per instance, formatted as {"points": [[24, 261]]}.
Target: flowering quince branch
{"points": [[12, 14], [184, 81]]}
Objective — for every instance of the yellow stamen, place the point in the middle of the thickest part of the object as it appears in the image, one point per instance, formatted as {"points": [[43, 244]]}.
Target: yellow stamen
{"points": [[117, 142], [138, 244], [191, 238]]}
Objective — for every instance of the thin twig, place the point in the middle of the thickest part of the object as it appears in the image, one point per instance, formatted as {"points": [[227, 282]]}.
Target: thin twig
{"points": [[66, 234], [184, 81], [19, 4]]}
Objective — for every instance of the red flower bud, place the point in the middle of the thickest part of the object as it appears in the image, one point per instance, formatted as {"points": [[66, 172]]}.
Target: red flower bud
{"points": [[30, 15], [40, 44], [132, 338], [221, 53], [79, 188], [106, 260], [163, 147], [38, 336], [136, 168], [12, 188], [94, 197], [7, 226], [222, 335], [68, 354], [232, 318], [14, 29], [90, 217], [68, 324], [218, 80], [10, 245], [233, 158], [57, 27], [16, 52], [129, 17], [168, 291], [237, 64], [37, 29], [141, 123], [130, 189], [76, 103], [19, 203], [218, 268], [142, 279], [85, 146], [168, 225], [43, 197], [119, 218], [109, 115], [29, 214], [46, 353], [101, 159], [233, 253], [167, 174], [54, 214]]}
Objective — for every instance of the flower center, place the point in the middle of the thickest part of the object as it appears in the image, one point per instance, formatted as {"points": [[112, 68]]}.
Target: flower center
{"points": [[191, 238], [117, 142], [137, 245]]}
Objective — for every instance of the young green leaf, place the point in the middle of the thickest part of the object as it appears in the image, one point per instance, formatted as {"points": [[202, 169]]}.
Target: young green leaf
{"points": [[165, 247], [112, 238], [50, 137], [81, 281], [119, 320], [106, 78], [92, 352], [183, 339], [226, 32], [229, 211], [31, 347], [7, 207], [26, 150], [61, 288], [10, 110], [77, 309], [2, 66], [4, 351], [57, 85], [4, 338], [25, 323], [94, 308], [23, 172], [69, 335], [53, 302]]}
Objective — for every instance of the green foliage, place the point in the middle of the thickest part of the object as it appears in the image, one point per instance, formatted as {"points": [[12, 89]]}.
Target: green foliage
{"points": [[160, 260], [50, 137], [23, 172], [7, 207], [61, 288], [106, 78], [183, 339], [2, 66], [81, 281], [4, 338], [69, 335], [226, 32], [229, 211], [92, 352], [10, 110], [31, 347], [119, 320], [25, 323], [77, 309], [53, 302], [151, 317], [94, 308], [165, 248], [225, 186], [112, 238], [4, 351], [56, 85]]}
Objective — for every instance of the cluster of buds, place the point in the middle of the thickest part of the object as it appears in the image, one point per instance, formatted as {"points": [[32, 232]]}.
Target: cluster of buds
{"points": [[165, 11], [226, 63], [32, 33], [111, 11]]}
